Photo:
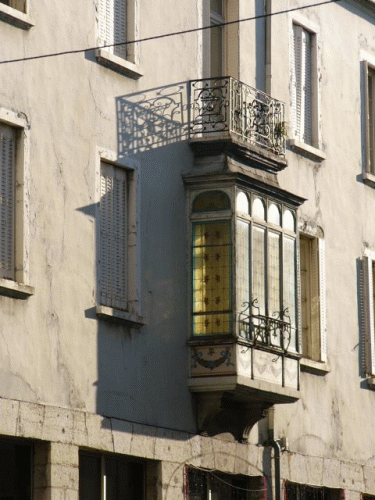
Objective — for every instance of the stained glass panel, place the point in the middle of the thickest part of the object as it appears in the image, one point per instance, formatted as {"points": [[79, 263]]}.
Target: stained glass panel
{"points": [[274, 306], [211, 278], [259, 270], [289, 289]]}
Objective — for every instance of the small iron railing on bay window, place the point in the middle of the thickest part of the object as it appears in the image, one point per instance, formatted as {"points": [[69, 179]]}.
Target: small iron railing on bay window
{"points": [[271, 331], [225, 104]]}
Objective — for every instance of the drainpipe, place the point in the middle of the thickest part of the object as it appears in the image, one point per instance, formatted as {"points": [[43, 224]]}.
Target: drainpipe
{"points": [[268, 61], [277, 451]]}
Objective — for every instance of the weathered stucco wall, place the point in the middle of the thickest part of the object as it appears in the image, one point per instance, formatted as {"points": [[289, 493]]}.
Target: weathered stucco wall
{"points": [[54, 350]]}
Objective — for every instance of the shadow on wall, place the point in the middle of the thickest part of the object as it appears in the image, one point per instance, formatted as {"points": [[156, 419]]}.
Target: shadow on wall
{"points": [[135, 368], [153, 118]]}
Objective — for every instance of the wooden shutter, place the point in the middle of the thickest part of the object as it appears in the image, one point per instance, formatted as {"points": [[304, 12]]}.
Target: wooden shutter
{"points": [[112, 24], [368, 292], [306, 87], [296, 79], [113, 237], [322, 297], [7, 187], [301, 84]]}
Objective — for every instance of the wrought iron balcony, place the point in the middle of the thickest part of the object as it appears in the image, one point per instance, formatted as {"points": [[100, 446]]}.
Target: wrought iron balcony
{"points": [[271, 331], [225, 105]]}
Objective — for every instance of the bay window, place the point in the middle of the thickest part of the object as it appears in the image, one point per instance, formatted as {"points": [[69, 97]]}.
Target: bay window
{"points": [[244, 275]]}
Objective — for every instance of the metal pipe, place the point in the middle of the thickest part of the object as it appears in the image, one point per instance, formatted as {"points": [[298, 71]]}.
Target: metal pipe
{"points": [[277, 448]]}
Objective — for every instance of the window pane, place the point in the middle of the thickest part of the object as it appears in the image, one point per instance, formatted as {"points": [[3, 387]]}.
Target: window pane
{"points": [[216, 6], [288, 220], [274, 306], [371, 117], [259, 274], [242, 203], [243, 276], [289, 290], [258, 209], [216, 51], [89, 477], [211, 201], [211, 278], [274, 214]]}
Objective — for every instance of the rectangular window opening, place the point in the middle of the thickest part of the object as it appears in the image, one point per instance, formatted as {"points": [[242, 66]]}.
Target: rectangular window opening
{"points": [[213, 485], [110, 477], [15, 470]]}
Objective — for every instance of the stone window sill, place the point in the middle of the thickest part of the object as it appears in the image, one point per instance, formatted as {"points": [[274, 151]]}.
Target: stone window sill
{"points": [[316, 367], [118, 64], [15, 290], [368, 179], [306, 150], [15, 17], [118, 316]]}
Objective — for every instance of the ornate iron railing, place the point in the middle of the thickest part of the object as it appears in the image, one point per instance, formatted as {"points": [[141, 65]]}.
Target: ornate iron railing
{"points": [[227, 105], [272, 331]]}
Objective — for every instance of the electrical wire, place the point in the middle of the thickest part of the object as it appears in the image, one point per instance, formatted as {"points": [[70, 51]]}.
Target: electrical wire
{"points": [[165, 35]]}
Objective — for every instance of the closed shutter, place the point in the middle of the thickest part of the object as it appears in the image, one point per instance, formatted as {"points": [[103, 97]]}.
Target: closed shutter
{"points": [[301, 84], [112, 25], [7, 186], [368, 291], [113, 237], [322, 296], [296, 79]]}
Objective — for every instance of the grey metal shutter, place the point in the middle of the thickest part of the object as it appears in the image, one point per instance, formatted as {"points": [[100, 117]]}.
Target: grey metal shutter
{"points": [[7, 187], [113, 237]]}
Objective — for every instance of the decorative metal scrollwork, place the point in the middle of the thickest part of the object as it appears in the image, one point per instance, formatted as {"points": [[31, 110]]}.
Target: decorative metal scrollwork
{"points": [[226, 104], [275, 330]]}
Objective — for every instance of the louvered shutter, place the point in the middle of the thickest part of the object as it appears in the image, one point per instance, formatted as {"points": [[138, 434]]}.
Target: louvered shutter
{"points": [[112, 25], [7, 186], [322, 297], [368, 292], [296, 79], [306, 87], [300, 315], [301, 84], [113, 237]]}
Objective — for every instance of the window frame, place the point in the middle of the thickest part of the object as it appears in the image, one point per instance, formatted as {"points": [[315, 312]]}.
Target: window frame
{"points": [[132, 314], [19, 286], [103, 475], [315, 354], [129, 65], [16, 17], [311, 150]]}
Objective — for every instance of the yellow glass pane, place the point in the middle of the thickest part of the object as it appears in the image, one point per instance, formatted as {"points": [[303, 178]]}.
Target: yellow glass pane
{"points": [[211, 278]]}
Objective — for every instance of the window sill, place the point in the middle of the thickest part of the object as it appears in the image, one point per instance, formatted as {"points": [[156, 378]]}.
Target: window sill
{"points": [[132, 320], [368, 179], [15, 17], [118, 64], [307, 150], [316, 367], [15, 290]]}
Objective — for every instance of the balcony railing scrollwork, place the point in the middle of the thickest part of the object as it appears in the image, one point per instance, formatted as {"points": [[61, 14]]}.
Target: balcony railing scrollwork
{"points": [[225, 104], [271, 331]]}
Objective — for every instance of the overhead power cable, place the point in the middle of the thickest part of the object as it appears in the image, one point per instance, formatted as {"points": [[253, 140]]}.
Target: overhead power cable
{"points": [[165, 35]]}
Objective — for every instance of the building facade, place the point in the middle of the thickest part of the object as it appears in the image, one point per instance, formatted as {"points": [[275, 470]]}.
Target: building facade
{"points": [[185, 312]]}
